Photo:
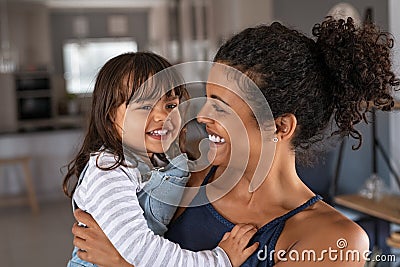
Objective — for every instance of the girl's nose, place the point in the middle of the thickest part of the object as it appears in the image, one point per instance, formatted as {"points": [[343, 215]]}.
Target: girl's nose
{"points": [[160, 114]]}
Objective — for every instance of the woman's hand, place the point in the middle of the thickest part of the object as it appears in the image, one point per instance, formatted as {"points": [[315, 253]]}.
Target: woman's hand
{"points": [[94, 245]]}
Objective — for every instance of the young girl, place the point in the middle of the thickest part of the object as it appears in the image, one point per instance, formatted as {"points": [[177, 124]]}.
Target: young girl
{"points": [[112, 184]]}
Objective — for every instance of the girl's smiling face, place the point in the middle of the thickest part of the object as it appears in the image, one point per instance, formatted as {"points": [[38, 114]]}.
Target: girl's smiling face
{"points": [[150, 127]]}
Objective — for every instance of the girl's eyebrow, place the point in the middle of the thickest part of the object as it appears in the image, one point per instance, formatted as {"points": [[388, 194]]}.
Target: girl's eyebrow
{"points": [[172, 97], [220, 99], [143, 102]]}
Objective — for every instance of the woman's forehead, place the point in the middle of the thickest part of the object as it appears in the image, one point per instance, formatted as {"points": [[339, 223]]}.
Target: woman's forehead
{"points": [[222, 90], [226, 78], [228, 97]]}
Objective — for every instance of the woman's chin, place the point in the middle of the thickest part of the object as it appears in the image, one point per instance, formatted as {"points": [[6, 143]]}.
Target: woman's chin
{"points": [[217, 160], [217, 155]]}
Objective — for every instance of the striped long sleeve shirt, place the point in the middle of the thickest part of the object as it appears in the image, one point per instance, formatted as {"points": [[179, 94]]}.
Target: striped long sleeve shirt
{"points": [[110, 197]]}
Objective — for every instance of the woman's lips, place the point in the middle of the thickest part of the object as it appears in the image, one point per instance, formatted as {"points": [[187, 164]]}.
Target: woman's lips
{"points": [[215, 138]]}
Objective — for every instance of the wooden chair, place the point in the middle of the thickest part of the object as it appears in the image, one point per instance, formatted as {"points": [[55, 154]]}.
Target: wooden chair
{"points": [[30, 197], [394, 240]]}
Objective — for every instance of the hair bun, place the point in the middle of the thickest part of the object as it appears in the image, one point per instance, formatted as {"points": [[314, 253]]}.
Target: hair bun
{"points": [[357, 61]]}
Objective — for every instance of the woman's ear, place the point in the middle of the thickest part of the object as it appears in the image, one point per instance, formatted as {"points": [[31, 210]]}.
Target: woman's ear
{"points": [[285, 126]]}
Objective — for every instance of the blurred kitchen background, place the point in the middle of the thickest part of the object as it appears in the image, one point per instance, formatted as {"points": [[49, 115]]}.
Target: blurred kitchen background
{"points": [[50, 51]]}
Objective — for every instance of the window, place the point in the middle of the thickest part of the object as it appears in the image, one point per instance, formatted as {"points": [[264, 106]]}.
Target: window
{"points": [[83, 59]]}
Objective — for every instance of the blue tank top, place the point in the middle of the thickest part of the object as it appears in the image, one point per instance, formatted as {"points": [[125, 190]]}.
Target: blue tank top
{"points": [[202, 228]]}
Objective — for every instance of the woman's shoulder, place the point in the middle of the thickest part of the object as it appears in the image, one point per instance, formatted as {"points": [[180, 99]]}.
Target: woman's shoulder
{"points": [[324, 220], [329, 222], [323, 228]]}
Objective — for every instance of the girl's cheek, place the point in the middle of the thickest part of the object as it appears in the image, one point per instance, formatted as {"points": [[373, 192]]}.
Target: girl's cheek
{"points": [[175, 117], [176, 121]]}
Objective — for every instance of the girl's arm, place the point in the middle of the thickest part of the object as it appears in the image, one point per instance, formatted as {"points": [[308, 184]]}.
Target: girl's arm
{"points": [[105, 253], [96, 247], [110, 197]]}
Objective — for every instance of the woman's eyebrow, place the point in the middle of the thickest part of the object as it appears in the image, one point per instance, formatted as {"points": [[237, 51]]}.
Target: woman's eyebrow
{"points": [[220, 99]]}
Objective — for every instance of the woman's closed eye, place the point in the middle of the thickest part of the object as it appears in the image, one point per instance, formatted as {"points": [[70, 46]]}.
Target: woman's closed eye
{"points": [[218, 108]]}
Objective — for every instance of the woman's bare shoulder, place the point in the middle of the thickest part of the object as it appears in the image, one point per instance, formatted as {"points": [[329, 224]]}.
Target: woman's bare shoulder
{"points": [[329, 222], [325, 231]]}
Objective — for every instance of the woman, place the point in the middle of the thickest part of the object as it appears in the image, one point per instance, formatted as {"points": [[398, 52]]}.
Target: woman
{"points": [[308, 84]]}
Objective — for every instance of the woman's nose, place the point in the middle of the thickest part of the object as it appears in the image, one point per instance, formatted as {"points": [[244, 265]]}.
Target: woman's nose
{"points": [[203, 115]]}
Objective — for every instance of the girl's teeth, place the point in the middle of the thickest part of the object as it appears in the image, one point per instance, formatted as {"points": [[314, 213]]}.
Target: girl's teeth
{"points": [[216, 139], [159, 132]]}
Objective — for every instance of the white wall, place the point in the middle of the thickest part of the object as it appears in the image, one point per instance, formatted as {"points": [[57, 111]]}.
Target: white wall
{"points": [[29, 33], [232, 16], [159, 28]]}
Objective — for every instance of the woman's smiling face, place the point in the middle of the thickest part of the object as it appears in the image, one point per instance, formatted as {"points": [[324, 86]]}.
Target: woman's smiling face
{"points": [[229, 121]]}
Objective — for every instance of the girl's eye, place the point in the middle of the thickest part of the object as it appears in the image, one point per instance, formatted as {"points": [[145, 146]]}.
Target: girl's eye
{"points": [[171, 106], [148, 107], [217, 108]]}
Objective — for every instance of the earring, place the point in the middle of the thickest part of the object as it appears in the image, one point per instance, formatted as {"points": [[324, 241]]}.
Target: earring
{"points": [[275, 139]]}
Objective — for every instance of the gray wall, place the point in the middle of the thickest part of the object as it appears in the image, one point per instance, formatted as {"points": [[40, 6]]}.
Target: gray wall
{"points": [[356, 165], [303, 14], [394, 120]]}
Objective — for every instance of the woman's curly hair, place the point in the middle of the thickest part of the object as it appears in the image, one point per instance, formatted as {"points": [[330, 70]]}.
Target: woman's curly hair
{"points": [[338, 75]]}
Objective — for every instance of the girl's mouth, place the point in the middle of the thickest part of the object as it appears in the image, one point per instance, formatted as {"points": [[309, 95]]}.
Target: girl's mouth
{"points": [[158, 134]]}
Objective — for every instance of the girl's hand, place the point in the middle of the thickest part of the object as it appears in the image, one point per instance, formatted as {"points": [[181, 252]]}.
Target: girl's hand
{"points": [[235, 243], [93, 243]]}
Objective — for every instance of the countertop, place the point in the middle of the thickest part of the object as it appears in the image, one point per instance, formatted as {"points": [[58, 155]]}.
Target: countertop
{"points": [[57, 124]]}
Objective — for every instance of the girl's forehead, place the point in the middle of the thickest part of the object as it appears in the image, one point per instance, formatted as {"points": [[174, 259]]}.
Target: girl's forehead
{"points": [[154, 97], [168, 97], [149, 91]]}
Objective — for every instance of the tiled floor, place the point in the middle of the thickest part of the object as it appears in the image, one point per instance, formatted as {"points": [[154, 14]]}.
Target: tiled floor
{"points": [[44, 240]]}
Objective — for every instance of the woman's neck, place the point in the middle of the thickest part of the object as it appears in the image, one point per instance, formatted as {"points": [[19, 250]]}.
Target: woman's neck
{"points": [[282, 186]]}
